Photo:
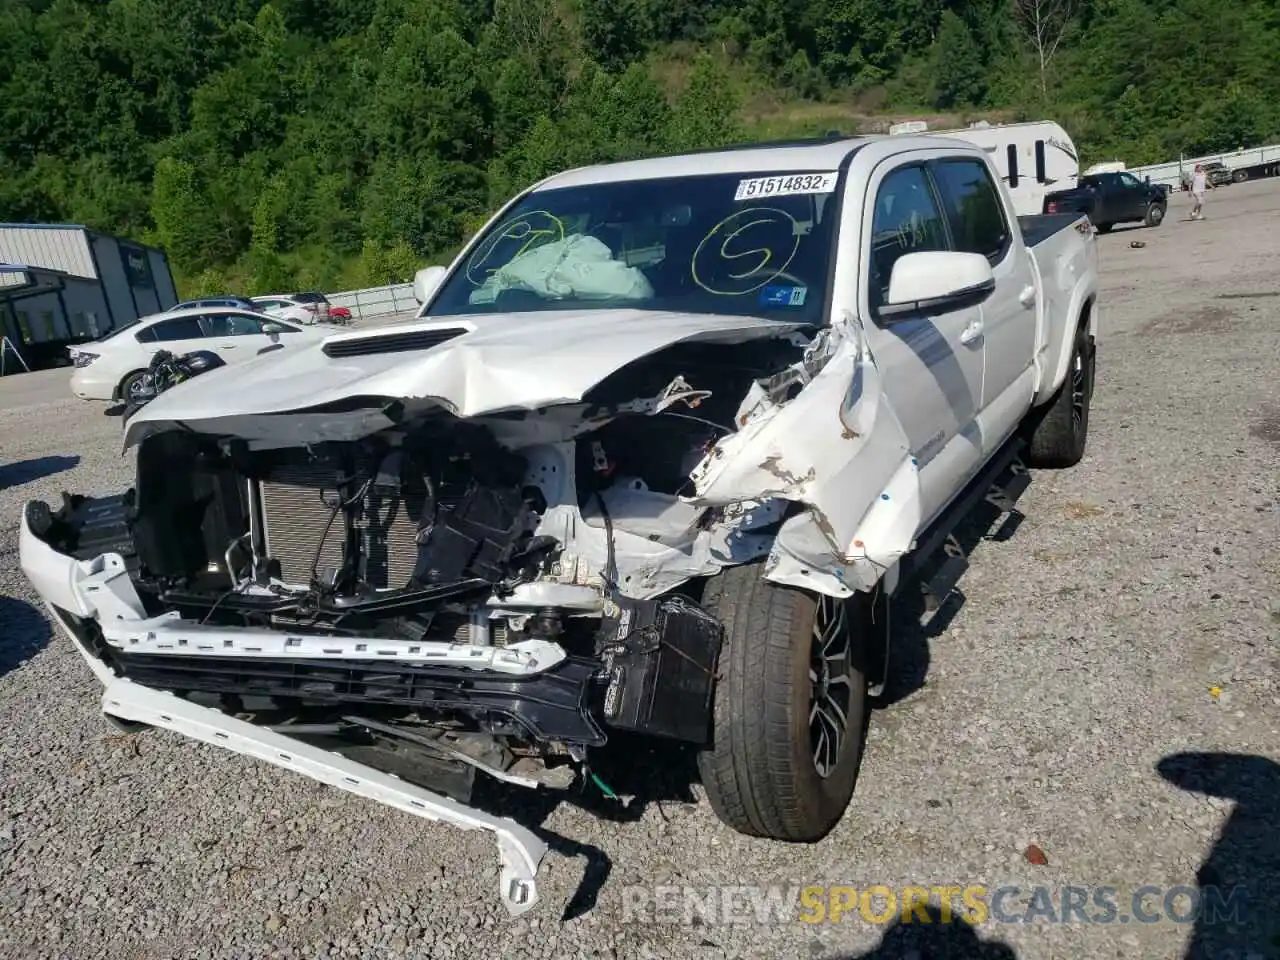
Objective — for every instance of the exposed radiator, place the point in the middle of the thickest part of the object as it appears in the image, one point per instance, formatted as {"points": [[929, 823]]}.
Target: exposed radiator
{"points": [[297, 503], [390, 531]]}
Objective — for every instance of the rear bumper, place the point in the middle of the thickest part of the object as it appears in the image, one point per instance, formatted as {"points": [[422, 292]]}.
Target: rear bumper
{"points": [[101, 591], [87, 386]]}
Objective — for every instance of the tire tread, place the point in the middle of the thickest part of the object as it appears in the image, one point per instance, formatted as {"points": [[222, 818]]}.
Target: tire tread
{"points": [[1053, 442], [749, 772]]}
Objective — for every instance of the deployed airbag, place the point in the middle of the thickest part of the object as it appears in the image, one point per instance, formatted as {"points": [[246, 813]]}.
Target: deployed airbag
{"points": [[578, 266]]}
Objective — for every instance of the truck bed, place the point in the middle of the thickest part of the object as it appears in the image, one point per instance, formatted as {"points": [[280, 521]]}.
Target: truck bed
{"points": [[1037, 228]]}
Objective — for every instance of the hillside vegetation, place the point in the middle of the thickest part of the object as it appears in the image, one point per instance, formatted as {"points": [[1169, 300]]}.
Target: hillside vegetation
{"points": [[329, 143]]}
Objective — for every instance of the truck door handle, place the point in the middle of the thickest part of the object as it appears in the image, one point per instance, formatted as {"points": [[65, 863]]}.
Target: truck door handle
{"points": [[1028, 296], [227, 346], [971, 333]]}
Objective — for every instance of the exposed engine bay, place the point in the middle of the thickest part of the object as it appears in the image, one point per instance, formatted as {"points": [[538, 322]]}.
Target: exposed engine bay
{"points": [[438, 600]]}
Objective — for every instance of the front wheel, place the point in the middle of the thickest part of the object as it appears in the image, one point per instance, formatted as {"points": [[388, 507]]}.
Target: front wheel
{"points": [[790, 708], [1155, 215]]}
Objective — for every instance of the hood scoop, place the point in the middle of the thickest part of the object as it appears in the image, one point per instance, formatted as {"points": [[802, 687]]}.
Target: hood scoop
{"points": [[398, 342]]}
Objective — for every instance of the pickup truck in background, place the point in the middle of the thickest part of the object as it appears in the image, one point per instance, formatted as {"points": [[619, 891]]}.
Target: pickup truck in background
{"points": [[1217, 174], [657, 448], [1111, 198]]}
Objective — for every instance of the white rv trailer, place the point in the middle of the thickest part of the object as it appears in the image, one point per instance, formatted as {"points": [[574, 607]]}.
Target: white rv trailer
{"points": [[1034, 158]]}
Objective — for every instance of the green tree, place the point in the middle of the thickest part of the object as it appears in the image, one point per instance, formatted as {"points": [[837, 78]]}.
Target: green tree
{"points": [[318, 142], [612, 31], [959, 74], [182, 218], [706, 113], [861, 42]]}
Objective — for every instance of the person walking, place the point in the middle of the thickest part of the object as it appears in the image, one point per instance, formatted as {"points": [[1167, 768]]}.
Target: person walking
{"points": [[1197, 193]]}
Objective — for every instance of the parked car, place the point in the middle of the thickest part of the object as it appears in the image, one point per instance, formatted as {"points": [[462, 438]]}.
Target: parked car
{"points": [[112, 368], [340, 315], [1111, 198], [656, 478], [312, 307], [219, 300]]}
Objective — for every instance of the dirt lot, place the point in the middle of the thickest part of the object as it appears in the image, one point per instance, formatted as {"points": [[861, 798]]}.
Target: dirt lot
{"points": [[1109, 690]]}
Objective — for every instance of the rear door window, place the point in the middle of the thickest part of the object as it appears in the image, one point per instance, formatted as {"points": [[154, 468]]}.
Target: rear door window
{"points": [[179, 328], [973, 207], [230, 325]]}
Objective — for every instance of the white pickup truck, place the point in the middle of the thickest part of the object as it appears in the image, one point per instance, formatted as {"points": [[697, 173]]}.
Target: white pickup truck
{"points": [[657, 438]]}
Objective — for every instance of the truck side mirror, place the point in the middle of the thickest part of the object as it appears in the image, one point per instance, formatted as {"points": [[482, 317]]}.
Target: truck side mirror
{"points": [[425, 282], [937, 281]]}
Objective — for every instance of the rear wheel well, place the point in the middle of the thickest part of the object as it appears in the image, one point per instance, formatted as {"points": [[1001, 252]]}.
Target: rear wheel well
{"points": [[119, 391], [1086, 316]]}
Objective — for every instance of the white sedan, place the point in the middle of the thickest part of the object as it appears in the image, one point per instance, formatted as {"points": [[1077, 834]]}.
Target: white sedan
{"points": [[111, 368], [310, 307]]}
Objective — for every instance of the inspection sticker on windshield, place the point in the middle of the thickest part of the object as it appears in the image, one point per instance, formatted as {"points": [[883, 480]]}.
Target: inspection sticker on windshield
{"points": [[783, 296], [786, 186]]}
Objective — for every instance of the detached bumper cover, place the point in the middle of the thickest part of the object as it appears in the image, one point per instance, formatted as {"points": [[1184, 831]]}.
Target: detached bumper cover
{"points": [[100, 590]]}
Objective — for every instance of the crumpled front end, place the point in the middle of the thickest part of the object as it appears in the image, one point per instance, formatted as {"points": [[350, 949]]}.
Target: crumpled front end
{"points": [[398, 598], [86, 595]]}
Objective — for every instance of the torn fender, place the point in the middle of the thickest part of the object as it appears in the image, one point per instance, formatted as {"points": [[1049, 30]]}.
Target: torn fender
{"points": [[839, 449]]}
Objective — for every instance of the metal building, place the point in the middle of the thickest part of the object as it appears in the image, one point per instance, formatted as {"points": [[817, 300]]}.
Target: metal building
{"points": [[62, 284]]}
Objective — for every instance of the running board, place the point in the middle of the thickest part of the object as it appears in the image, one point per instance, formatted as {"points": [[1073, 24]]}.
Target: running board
{"points": [[519, 850], [937, 588], [999, 483], [1004, 495]]}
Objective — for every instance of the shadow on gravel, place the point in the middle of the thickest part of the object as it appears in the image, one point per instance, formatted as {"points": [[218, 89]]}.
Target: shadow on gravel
{"points": [[24, 471], [1239, 881], [939, 939], [639, 770], [25, 633], [909, 638]]}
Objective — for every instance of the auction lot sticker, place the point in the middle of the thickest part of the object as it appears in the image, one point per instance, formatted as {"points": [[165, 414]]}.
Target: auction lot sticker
{"points": [[787, 185]]}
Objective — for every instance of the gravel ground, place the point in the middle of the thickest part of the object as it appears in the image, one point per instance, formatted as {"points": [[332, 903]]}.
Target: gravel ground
{"points": [[1132, 617]]}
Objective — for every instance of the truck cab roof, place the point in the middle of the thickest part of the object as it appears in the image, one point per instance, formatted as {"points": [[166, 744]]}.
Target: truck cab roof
{"points": [[826, 154]]}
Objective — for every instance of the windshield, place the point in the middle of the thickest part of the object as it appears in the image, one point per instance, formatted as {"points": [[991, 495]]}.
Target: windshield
{"points": [[730, 244]]}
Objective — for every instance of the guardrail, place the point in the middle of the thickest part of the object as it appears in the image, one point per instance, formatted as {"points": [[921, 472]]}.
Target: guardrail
{"points": [[391, 302], [1171, 171]]}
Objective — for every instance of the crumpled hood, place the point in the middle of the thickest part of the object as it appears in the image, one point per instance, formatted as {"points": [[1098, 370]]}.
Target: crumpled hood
{"points": [[504, 362]]}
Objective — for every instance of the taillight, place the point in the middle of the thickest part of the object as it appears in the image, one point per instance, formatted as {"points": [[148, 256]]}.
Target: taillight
{"points": [[82, 359], [309, 307], [1053, 208]]}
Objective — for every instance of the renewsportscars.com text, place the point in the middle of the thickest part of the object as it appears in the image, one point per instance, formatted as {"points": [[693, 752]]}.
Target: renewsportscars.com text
{"points": [[976, 904]]}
